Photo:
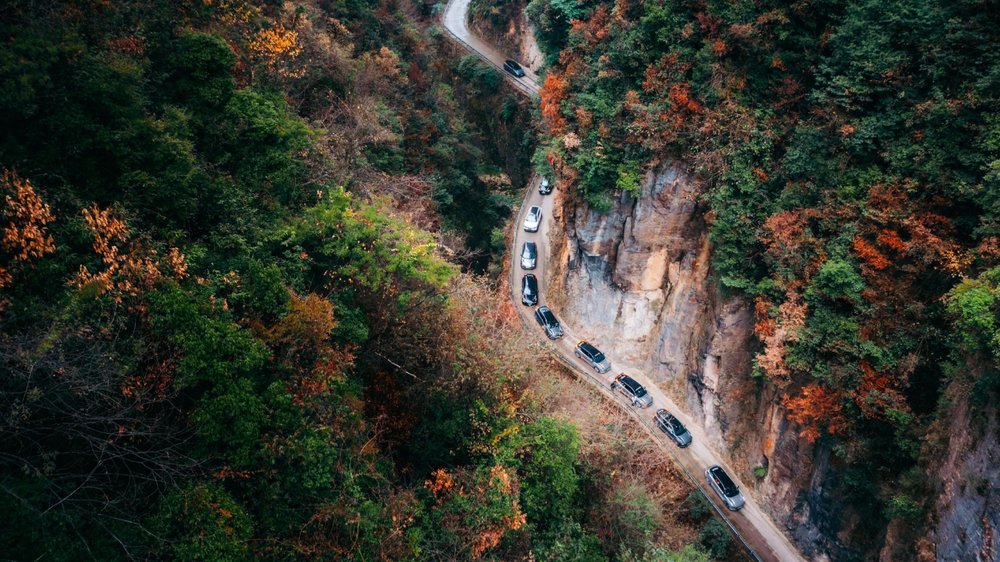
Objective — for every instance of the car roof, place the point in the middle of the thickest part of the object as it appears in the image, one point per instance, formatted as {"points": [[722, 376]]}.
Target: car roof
{"points": [[629, 381], [586, 346], [728, 486]]}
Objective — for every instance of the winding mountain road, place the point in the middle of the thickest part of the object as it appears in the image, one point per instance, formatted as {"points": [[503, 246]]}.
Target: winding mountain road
{"points": [[751, 526]]}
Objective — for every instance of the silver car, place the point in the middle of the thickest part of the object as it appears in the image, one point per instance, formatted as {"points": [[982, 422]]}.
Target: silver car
{"points": [[533, 219], [725, 487], [529, 255], [673, 427], [548, 322], [631, 389], [584, 350]]}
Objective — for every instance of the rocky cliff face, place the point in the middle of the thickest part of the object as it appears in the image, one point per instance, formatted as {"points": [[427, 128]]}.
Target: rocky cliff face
{"points": [[637, 281], [965, 517]]}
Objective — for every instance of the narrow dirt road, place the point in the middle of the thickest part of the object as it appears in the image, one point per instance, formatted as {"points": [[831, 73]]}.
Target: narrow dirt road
{"points": [[755, 529]]}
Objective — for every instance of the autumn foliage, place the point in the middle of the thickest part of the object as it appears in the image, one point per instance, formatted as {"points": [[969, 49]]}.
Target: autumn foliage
{"points": [[817, 410], [552, 94], [25, 219]]}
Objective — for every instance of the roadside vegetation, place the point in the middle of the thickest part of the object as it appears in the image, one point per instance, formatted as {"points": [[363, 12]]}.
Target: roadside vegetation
{"points": [[240, 311]]}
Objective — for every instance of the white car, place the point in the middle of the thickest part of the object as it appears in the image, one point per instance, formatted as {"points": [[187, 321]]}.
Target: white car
{"points": [[533, 219]]}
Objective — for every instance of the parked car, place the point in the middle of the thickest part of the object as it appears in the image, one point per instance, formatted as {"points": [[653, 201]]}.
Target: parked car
{"points": [[513, 68], [529, 255], [533, 219], [548, 322], [545, 186], [529, 290], [672, 427], [631, 389], [593, 356], [725, 487]]}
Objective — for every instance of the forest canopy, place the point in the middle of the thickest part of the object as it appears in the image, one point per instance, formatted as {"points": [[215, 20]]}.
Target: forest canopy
{"points": [[240, 316]]}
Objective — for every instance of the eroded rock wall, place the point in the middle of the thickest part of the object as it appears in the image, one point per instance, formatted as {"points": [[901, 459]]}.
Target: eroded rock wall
{"points": [[637, 281], [964, 520]]}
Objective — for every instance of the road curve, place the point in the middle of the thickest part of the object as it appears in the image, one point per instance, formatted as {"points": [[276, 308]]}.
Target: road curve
{"points": [[455, 21], [755, 529]]}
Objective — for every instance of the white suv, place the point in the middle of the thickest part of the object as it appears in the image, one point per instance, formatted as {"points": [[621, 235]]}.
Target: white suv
{"points": [[533, 219]]}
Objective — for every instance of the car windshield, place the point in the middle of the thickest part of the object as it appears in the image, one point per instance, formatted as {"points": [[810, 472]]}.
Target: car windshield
{"points": [[640, 392], [677, 426], [728, 486]]}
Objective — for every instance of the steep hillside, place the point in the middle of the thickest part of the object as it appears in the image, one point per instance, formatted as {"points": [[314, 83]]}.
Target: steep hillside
{"points": [[240, 316], [768, 205]]}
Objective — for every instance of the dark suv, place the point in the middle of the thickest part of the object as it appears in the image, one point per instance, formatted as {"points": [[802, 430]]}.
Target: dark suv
{"points": [[672, 427], [631, 389], [529, 290], [548, 322], [545, 186], [513, 68], [593, 356], [725, 487]]}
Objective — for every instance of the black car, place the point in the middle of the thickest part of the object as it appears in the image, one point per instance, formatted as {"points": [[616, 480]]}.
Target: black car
{"points": [[672, 427], [529, 290], [545, 186], [593, 356], [513, 68], [631, 389], [548, 322]]}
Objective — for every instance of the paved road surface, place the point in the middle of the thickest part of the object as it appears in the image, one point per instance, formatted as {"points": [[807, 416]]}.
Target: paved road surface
{"points": [[752, 526], [455, 22]]}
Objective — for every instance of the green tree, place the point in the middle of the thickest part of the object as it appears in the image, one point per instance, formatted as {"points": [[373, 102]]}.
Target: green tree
{"points": [[201, 522]]}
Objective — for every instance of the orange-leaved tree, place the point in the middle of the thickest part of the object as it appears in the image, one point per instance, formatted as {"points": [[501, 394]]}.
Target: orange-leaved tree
{"points": [[25, 219], [817, 409]]}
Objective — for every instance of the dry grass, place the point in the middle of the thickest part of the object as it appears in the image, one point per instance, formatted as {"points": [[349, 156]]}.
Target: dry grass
{"points": [[614, 445]]}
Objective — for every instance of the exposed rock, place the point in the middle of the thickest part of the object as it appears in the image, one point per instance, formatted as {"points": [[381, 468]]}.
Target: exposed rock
{"points": [[966, 514], [636, 280]]}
